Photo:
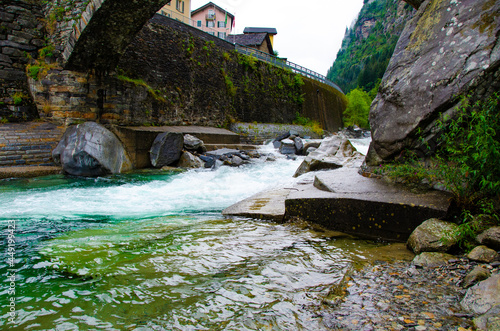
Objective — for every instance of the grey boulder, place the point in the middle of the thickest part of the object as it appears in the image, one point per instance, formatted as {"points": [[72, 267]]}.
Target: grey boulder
{"points": [[166, 149], [91, 150], [433, 235]]}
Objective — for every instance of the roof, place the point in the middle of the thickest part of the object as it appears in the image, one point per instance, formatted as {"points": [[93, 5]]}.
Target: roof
{"points": [[271, 31], [212, 5], [253, 39]]}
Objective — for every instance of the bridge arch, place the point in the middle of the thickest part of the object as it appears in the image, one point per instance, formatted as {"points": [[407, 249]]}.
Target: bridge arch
{"points": [[104, 31]]}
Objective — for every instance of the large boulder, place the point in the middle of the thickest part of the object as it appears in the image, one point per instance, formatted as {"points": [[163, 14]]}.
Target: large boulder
{"points": [[333, 153], [166, 149], [483, 296], [91, 150], [433, 235], [448, 50]]}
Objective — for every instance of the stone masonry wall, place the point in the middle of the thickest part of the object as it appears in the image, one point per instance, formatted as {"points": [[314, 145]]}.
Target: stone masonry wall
{"points": [[21, 35], [173, 74]]}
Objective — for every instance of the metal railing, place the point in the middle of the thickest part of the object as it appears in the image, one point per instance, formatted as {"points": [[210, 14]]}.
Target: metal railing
{"points": [[262, 56], [283, 63]]}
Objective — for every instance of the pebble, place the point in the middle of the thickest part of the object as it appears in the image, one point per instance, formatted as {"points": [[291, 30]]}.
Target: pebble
{"points": [[398, 296]]}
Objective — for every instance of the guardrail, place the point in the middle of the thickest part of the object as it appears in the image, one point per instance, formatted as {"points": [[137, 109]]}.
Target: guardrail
{"points": [[266, 57], [283, 63]]}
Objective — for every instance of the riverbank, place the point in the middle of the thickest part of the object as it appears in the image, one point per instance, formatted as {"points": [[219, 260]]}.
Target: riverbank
{"points": [[399, 296]]}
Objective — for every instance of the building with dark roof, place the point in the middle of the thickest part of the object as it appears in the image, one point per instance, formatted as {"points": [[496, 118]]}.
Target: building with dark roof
{"points": [[261, 39]]}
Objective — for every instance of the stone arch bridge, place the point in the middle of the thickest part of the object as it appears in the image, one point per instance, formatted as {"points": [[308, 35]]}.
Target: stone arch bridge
{"points": [[104, 30]]}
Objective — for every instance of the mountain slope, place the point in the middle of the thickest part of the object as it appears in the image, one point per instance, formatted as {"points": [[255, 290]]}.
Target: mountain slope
{"points": [[368, 45]]}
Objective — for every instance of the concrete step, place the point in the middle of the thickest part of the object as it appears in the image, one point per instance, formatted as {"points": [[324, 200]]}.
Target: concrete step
{"points": [[138, 140], [342, 200], [241, 147], [28, 143]]}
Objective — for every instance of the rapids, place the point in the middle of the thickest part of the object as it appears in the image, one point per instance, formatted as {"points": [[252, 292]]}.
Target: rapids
{"points": [[151, 251]]}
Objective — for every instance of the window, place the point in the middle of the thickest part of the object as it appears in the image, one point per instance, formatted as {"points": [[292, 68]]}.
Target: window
{"points": [[211, 14], [210, 24], [221, 35], [212, 33], [180, 5], [221, 24], [198, 24]]}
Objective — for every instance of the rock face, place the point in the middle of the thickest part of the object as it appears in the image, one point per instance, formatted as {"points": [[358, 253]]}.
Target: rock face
{"points": [[89, 149], [166, 149], [433, 235], [449, 49]]}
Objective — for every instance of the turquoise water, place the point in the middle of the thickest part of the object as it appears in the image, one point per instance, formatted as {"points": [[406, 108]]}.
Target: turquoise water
{"points": [[151, 251]]}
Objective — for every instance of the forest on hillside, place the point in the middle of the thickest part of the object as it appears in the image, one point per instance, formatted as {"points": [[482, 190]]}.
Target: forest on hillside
{"points": [[365, 53]]}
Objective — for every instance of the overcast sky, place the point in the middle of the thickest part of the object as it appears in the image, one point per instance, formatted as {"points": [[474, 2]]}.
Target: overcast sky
{"points": [[308, 35]]}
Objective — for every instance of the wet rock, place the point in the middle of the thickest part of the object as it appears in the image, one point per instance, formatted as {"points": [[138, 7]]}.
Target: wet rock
{"points": [[483, 254], [166, 149], [490, 321], [287, 147], [311, 144], [234, 161], [432, 259], [310, 150], [490, 238], [433, 235], [191, 143], [209, 160], [299, 145], [219, 153], [89, 149], [476, 275], [189, 160], [388, 297], [333, 153], [483, 296]]}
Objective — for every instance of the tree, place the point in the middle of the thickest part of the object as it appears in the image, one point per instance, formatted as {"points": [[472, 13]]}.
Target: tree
{"points": [[358, 107]]}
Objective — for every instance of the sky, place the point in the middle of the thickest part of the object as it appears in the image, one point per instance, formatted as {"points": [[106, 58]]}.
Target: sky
{"points": [[310, 32]]}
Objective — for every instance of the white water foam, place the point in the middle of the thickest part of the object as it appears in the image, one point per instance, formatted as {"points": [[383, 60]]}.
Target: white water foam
{"points": [[190, 192]]}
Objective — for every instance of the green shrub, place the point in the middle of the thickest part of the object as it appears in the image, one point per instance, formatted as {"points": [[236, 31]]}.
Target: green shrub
{"points": [[358, 108], [465, 163]]}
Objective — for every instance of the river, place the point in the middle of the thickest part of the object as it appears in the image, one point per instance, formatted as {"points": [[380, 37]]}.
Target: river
{"points": [[151, 251]]}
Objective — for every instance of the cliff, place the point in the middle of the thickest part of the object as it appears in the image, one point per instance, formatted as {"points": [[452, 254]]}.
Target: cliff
{"points": [[450, 49], [368, 45]]}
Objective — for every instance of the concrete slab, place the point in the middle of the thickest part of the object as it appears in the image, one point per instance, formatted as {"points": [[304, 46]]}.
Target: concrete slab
{"points": [[342, 200], [268, 205], [28, 171], [138, 140]]}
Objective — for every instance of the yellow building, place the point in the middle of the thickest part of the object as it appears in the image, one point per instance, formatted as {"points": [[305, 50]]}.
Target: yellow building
{"points": [[179, 10]]}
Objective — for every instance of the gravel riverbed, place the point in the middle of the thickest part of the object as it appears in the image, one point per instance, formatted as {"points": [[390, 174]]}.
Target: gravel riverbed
{"points": [[399, 296]]}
